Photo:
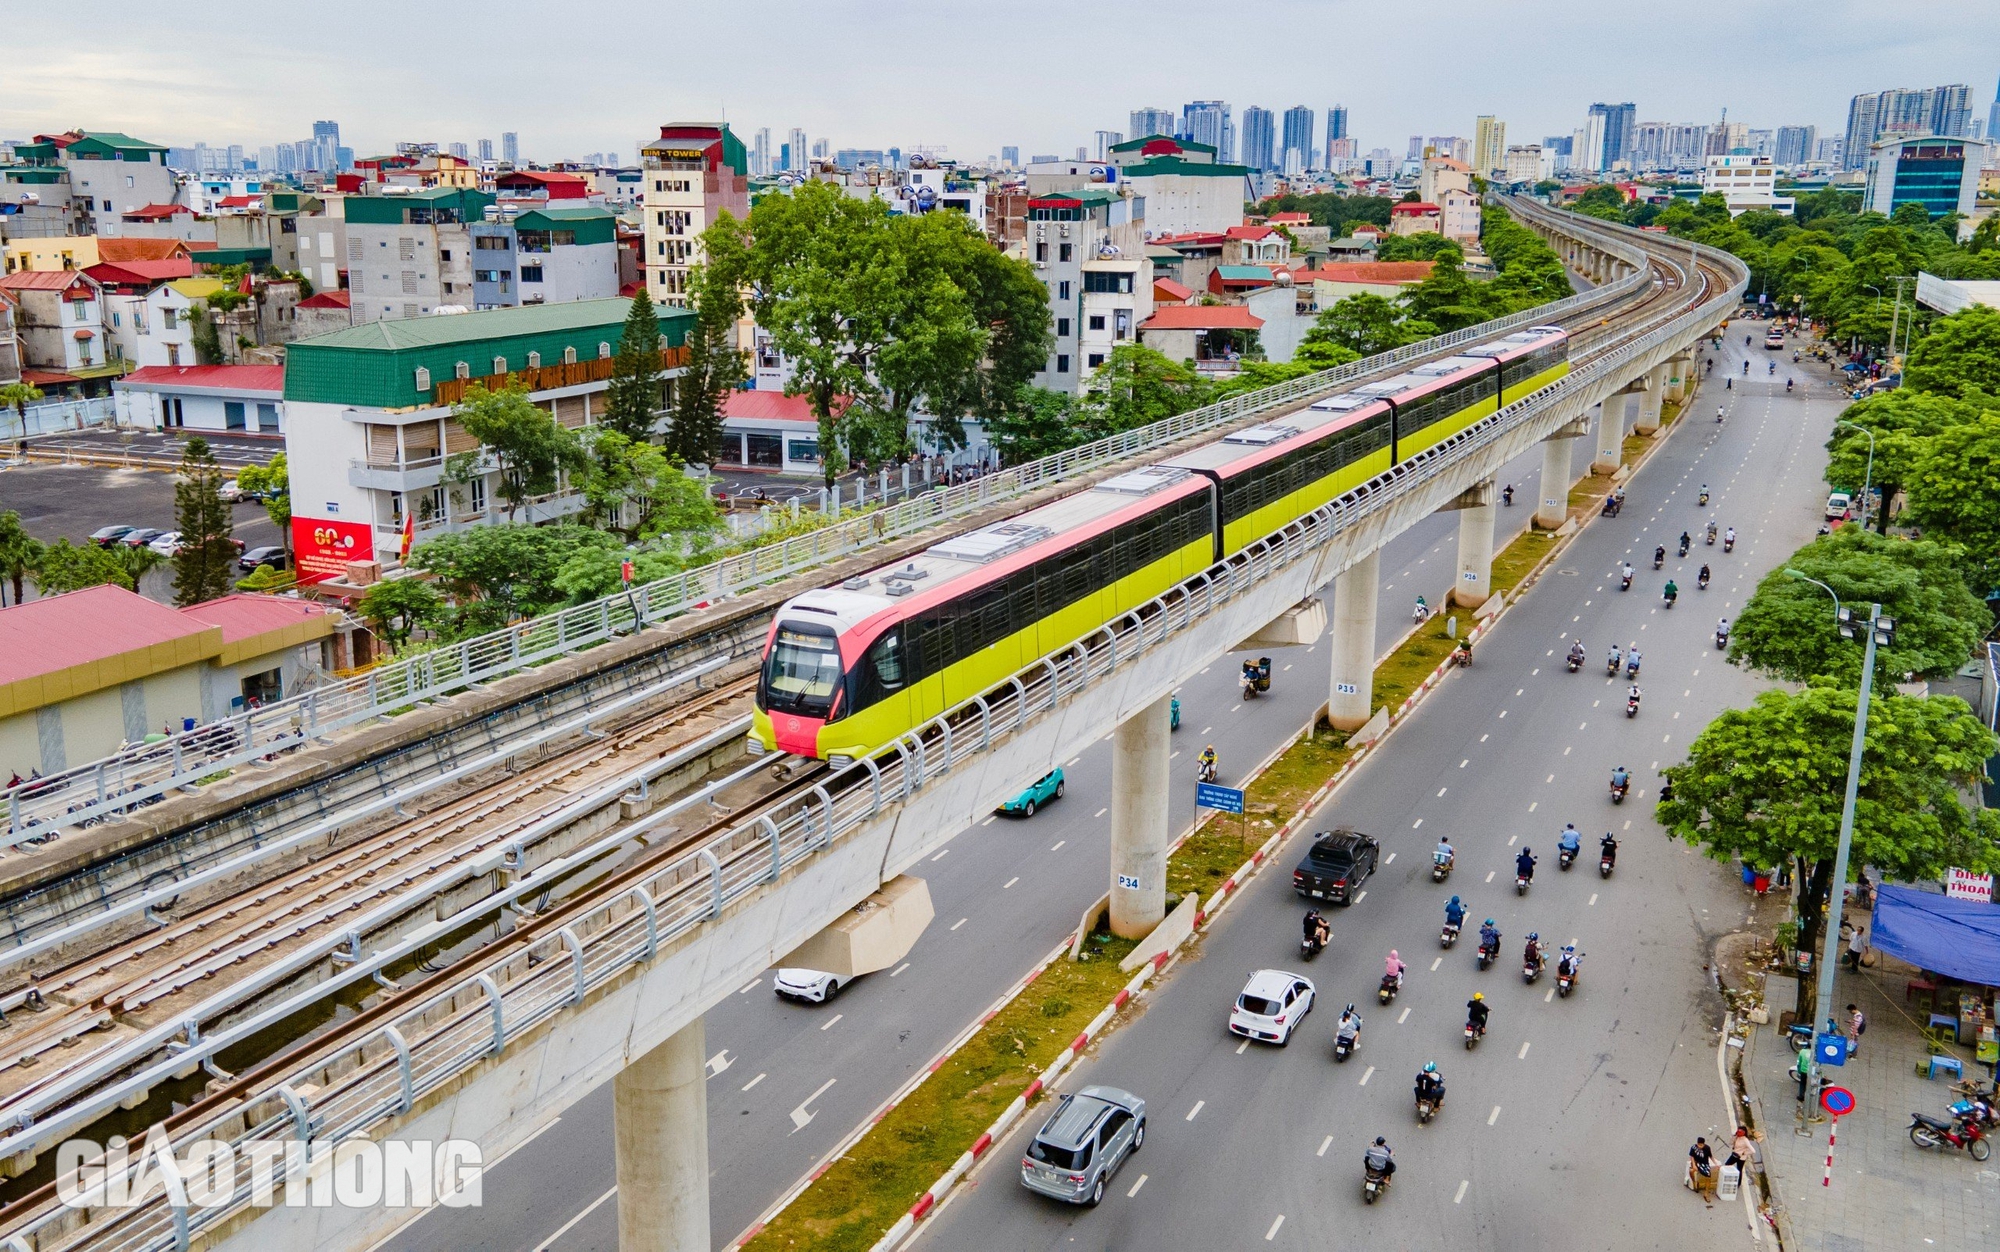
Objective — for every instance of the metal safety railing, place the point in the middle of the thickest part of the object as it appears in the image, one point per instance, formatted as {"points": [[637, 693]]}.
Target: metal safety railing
{"points": [[353, 1086], [143, 773]]}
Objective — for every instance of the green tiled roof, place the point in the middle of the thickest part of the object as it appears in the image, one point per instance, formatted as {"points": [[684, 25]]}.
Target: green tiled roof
{"points": [[389, 210], [1244, 273], [99, 143], [1174, 165]]}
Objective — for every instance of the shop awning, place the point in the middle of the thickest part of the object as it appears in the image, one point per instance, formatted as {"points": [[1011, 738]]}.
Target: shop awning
{"points": [[1960, 938]]}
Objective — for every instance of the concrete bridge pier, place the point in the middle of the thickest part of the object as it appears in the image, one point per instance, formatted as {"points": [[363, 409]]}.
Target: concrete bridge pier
{"points": [[1610, 435], [1476, 518], [1139, 786], [1554, 508], [1355, 594], [659, 1108], [1651, 398]]}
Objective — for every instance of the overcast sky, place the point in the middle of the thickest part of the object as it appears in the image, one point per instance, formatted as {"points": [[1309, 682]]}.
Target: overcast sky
{"points": [[598, 75]]}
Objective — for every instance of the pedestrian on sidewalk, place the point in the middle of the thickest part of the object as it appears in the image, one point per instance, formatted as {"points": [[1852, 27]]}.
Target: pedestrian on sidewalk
{"points": [[1701, 1171], [1741, 1152], [1855, 945], [1803, 1070], [1857, 1024]]}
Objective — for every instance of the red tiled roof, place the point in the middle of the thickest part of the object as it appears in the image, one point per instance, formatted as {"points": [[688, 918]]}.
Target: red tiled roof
{"points": [[1202, 317], [48, 378], [1190, 237], [44, 280], [1291, 219], [1369, 272], [630, 289], [238, 202], [269, 379], [245, 616], [327, 300], [58, 632], [1366, 228], [157, 212], [1249, 232], [769, 406], [1414, 206], [1168, 290], [120, 248], [142, 272]]}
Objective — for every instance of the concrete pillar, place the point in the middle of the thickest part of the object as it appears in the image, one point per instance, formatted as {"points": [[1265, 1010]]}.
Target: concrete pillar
{"points": [[1648, 420], [1139, 785], [1554, 508], [1610, 434], [660, 1120], [1475, 556], [1355, 595]]}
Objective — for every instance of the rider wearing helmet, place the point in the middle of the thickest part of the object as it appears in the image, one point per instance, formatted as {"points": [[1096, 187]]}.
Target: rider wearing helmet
{"points": [[1524, 864], [1454, 912], [1532, 954], [1430, 1083], [1489, 935], [1571, 960], [1476, 1011]]}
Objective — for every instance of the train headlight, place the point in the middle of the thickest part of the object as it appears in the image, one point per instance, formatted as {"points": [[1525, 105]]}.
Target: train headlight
{"points": [[753, 745]]}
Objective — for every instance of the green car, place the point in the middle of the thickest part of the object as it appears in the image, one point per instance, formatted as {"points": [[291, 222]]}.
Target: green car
{"points": [[1040, 792]]}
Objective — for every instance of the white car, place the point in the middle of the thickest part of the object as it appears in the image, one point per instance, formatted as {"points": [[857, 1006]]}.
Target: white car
{"points": [[231, 492], [1272, 1005], [167, 544], [1837, 506], [811, 986]]}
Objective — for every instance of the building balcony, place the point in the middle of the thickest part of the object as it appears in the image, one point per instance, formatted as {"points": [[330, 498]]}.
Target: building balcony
{"points": [[412, 474]]}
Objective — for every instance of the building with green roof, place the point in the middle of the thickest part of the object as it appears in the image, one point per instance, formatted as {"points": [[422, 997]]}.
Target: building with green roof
{"points": [[544, 256], [110, 174], [368, 412]]}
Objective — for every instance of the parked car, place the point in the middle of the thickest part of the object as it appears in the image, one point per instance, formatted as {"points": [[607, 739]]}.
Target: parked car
{"points": [[232, 492], [1337, 863], [1044, 789], [1272, 1005], [809, 986], [141, 537], [1838, 506], [105, 536], [269, 554], [1083, 1143], [166, 543]]}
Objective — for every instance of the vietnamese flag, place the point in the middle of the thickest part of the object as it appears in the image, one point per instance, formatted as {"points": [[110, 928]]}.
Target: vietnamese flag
{"points": [[409, 535]]}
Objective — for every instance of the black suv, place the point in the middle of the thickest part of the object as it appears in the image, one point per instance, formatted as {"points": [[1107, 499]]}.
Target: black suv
{"points": [[1338, 862]]}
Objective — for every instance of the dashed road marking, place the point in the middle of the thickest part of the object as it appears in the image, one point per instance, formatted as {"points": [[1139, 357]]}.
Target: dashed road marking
{"points": [[1197, 1105], [1059, 844], [1522, 1055], [1489, 875], [960, 922], [1434, 967], [1441, 791], [1416, 824], [754, 984], [1550, 997], [830, 1024], [1405, 1015], [1324, 1145], [940, 856], [1272, 1233], [1099, 813], [1135, 1186], [1593, 900], [753, 1082], [899, 969], [1243, 1047], [1366, 1076], [1463, 1183], [1533, 805], [1360, 896], [1494, 1116], [1010, 882]]}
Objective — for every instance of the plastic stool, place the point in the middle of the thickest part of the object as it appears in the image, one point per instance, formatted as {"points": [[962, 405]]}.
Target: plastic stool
{"points": [[1951, 1063]]}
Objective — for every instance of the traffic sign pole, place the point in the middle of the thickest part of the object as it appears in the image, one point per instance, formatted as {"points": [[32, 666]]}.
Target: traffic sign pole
{"points": [[1838, 1102]]}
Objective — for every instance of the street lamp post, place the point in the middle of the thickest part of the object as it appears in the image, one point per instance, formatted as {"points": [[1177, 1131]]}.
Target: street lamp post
{"points": [[1867, 479]]}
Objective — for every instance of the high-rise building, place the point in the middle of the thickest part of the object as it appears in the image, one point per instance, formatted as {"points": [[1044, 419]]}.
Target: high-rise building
{"points": [[1795, 145], [1010, 156], [1610, 127], [822, 149], [1298, 137], [1259, 139], [326, 137], [1149, 121], [1208, 122], [693, 172], [1489, 143], [460, 151], [1993, 117], [1945, 111], [1940, 173], [796, 145], [760, 152], [510, 147], [1336, 123], [1416, 152], [1105, 141], [486, 149]]}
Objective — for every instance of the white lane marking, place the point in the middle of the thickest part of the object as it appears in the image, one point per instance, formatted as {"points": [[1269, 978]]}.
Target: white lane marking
{"points": [[719, 1062], [1102, 812], [1482, 738], [1206, 729], [1434, 969], [1243, 1047], [754, 1081], [1416, 824], [1365, 1077], [1550, 997], [1467, 761], [834, 1021], [1059, 844], [1010, 882], [1198, 1104], [1565, 751], [960, 922], [1390, 859], [1135, 1186], [1405, 1015], [1489, 875], [1463, 1183], [565, 1228], [1442, 790], [1551, 778], [1522, 1055], [1511, 839], [1520, 690], [1503, 712], [754, 984], [1628, 821], [1287, 667], [1533, 805], [939, 857], [988, 821], [1324, 1145], [899, 969], [1593, 899], [1494, 1116], [1272, 1233], [1360, 896], [800, 1117], [1175, 754], [1072, 761]]}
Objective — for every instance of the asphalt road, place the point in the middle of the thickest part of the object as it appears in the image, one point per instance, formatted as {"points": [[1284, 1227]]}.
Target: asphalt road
{"points": [[1567, 1128], [788, 1081]]}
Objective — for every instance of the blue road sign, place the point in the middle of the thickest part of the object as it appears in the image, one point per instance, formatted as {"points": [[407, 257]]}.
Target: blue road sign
{"points": [[1838, 1101], [1830, 1049], [1215, 796]]}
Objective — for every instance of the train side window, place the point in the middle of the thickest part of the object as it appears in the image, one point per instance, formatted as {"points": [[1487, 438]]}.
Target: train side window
{"points": [[885, 658]]}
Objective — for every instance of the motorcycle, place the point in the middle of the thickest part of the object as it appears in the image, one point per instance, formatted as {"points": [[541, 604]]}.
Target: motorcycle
{"points": [[1659, 558], [1472, 1035], [1632, 669], [1575, 662], [1564, 982], [1729, 545], [1701, 500], [1420, 614], [1391, 984], [1440, 867], [1507, 495], [1668, 597], [1565, 857], [1624, 582], [1701, 581], [1374, 1184], [1256, 677], [1709, 535], [1488, 952], [1344, 1045], [1684, 548], [1618, 791], [1611, 667], [1930, 1132], [1721, 640], [1631, 706], [1427, 1107], [1204, 771], [1521, 884], [1310, 946], [1605, 860], [1531, 970], [1447, 936]]}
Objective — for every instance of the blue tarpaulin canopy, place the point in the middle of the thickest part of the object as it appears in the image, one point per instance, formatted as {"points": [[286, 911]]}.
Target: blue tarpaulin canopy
{"points": [[1960, 938]]}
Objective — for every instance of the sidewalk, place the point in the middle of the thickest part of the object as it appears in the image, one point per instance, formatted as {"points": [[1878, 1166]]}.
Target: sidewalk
{"points": [[1886, 1193]]}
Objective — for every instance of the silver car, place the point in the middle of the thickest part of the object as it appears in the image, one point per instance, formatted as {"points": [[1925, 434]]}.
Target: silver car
{"points": [[1083, 1143]]}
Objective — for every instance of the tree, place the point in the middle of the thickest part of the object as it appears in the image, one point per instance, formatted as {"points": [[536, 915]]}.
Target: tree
{"points": [[20, 553], [1786, 630], [1042, 422], [69, 567], [634, 395], [1137, 386], [1448, 299], [137, 560], [1765, 785], [532, 447], [202, 566], [272, 483], [395, 607], [18, 396], [1959, 354], [266, 579], [1954, 492], [1422, 246], [593, 573], [500, 573], [1603, 201], [1365, 325], [1903, 422], [714, 367], [1322, 354], [633, 488], [207, 341]]}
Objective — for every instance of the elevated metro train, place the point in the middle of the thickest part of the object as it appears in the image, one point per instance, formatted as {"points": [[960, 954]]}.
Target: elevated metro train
{"points": [[849, 668]]}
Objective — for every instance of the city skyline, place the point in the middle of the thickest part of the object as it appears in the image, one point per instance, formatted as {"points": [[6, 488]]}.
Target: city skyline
{"points": [[142, 89]]}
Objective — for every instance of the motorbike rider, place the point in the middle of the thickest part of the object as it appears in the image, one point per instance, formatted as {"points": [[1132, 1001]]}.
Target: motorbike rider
{"points": [[1454, 912], [1607, 847], [1729, 536], [1349, 1026], [1533, 954], [1489, 935], [1569, 841], [1422, 609], [1633, 694], [1476, 1011], [1687, 541], [1632, 658], [1393, 967], [1701, 579], [1617, 658], [1444, 855], [1316, 929], [1719, 411], [1576, 655], [1571, 961], [1620, 778], [1507, 494], [1524, 864], [1659, 555], [1788, 384], [1430, 1084], [1709, 535], [1207, 760], [1722, 629], [1379, 1159], [1672, 591]]}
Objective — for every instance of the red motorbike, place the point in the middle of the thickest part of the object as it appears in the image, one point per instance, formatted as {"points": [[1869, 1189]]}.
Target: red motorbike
{"points": [[1931, 1132]]}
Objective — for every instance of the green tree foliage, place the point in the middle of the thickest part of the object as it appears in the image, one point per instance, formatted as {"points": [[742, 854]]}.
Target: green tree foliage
{"points": [[72, 567], [1367, 324], [1423, 246], [1603, 200], [634, 395], [1786, 630], [715, 365], [20, 553], [1339, 214], [533, 449], [18, 396], [1042, 422], [1137, 386], [1902, 422], [138, 561], [592, 573], [498, 574], [272, 484], [203, 334], [202, 567], [1765, 785], [396, 607], [635, 489], [1959, 356], [1322, 353], [266, 578], [1954, 493]]}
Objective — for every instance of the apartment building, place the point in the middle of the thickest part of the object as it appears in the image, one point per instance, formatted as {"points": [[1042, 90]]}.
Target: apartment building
{"points": [[544, 256], [694, 173], [1088, 248], [410, 253], [1745, 183], [110, 175]]}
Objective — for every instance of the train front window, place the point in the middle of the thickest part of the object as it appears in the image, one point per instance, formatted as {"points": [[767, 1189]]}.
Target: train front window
{"points": [[802, 671]]}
